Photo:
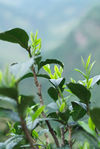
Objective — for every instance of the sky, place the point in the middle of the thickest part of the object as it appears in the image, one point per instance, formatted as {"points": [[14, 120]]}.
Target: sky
{"points": [[54, 19]]}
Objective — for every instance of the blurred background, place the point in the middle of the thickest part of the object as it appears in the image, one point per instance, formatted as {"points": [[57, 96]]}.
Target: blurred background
{"points": [[69, 29]]}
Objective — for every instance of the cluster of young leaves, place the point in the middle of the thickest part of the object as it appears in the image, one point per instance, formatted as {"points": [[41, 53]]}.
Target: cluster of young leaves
{"points": [[66, 113], [35, 45]]}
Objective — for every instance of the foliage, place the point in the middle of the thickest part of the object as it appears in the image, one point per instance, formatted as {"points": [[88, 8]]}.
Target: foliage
{"points": [[31, 123]]}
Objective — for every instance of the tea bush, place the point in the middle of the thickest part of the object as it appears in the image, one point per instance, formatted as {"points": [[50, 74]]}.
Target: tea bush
{"points": [[68, 122]]}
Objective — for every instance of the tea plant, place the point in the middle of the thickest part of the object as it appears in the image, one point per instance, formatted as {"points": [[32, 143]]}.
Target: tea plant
{"points": [[55, 125]]}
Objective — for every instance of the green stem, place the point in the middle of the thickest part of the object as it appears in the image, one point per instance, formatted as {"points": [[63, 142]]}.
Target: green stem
{"points": [[61, 94]]}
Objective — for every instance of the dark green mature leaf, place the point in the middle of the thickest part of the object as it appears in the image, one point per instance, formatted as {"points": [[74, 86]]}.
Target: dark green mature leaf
{"points": [[95, 116], [56, 82], [20, 70], [79, 110], [60, 116], [9, 92], [25, 102], [98, 83], [43, 76], [8, 103], [50, 61], [80, 91], [18, 128], [61, 85], [53, 93], [37, 60], [53, 115], [64, 116], [16, 35], [9, 114], [96, 79], [28, 75]]}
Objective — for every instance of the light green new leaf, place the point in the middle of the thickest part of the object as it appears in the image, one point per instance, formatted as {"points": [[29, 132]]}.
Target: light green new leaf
{"points": [[61, 109], [32, 37], [95, 116], [80, 72], [1, 77], [91, 124], [36, 35], [47, 68], [86, 145], [88, 62], [86, 128], [35, 134], [90, 68], [56, 69], [38, 112]]}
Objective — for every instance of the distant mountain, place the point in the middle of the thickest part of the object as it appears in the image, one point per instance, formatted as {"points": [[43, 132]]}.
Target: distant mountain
{"points": [[53, 18], [82, 41]]}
